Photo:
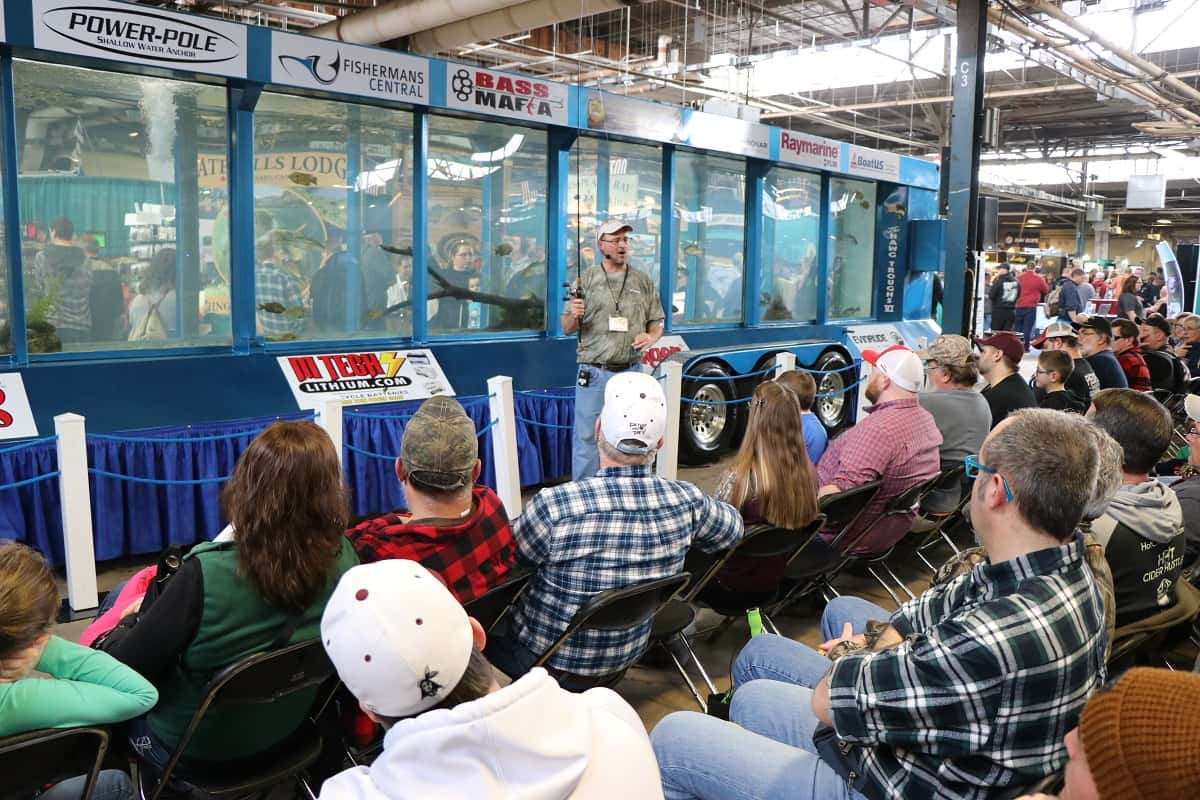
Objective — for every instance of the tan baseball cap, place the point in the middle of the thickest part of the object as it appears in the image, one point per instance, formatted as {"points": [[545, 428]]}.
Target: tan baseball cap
{"points": [[949, 349]]}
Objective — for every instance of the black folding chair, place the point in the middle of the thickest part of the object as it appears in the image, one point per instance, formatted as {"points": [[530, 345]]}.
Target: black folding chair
{"points": [[807, 567], [902, 504], [31, 761], [615, 610], [256, 681], [491, 606], [760, 542]]}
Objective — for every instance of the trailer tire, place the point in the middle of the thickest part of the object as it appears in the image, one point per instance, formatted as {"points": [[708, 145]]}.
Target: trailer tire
{"points": [[706, 431]]}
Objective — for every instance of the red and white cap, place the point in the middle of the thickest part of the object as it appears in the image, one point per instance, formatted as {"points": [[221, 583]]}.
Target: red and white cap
{"points": [[399, 639], [900, 364]]}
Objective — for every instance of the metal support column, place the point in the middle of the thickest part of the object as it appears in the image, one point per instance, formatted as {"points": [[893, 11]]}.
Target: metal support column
{"points": [[966, 129], [756, 172], [241, 100], [419, 290], [559, 208], [12, 215], [188, 278], [667, 236]]}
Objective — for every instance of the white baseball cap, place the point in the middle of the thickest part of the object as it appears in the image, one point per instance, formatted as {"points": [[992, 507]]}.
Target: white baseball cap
{"points": [[900, 364], [634, 418], [1192, 406], [611, 226], [399, 639]]}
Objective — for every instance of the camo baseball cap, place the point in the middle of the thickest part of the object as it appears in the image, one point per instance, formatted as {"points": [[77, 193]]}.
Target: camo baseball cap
{"points": [[950, 350], [439, 447]]}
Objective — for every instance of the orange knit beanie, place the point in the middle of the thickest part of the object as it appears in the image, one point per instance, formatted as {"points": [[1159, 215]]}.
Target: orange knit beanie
{"points": [[1142, 737]]}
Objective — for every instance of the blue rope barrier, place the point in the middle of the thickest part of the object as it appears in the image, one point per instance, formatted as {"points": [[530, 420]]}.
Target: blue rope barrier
{"points": [[486, 428], [364, 415], [854, 385], [28, 481], [728, 377], [537, 424], [692, 402], [31, 443], [157, 481], [105, 437], [545, 392], [368, 453]]}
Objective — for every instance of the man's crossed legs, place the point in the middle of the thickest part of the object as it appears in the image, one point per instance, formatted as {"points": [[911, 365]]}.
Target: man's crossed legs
{"points": [[767, 751]]}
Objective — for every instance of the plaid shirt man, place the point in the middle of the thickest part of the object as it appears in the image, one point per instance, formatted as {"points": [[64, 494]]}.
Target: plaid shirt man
{"points": [[623, 526], [898, 443], [273, 285], [1137, 372], [994, 670], [472, 555]]}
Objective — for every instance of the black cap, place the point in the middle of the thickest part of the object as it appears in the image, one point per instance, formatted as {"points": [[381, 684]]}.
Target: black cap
{"points": [[1157, 321], [1098, 324]]}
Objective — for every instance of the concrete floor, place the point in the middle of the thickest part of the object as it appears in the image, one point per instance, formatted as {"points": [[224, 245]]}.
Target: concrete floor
{"points": [[653, 692]]}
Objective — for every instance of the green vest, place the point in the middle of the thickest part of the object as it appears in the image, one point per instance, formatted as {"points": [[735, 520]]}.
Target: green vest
{"points": [[235, 623]]}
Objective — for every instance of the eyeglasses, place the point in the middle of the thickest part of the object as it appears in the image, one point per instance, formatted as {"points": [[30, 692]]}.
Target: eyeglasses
{"points": [[973, 468], [617, 239], [1193, 431]]}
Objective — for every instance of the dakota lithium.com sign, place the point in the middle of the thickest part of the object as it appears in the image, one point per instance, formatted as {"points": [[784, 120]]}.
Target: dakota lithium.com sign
{"points": [[135, 34]]}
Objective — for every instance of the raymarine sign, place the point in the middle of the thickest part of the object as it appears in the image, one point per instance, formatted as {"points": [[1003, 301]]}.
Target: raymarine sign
{"points": [[809, 151], [120, 32]]}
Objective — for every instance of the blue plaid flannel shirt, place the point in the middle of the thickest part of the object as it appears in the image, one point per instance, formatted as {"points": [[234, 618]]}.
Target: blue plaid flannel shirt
{"points": [[623, 526], [995, 669], [273, 285]]}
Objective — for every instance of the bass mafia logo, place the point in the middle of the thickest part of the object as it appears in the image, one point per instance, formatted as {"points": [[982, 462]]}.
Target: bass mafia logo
{"points": [[144, 35], [514, 97]]}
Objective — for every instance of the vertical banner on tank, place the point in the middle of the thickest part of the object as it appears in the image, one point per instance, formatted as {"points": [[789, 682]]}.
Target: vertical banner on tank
{"points": [[1176, 301], [891, 252]]}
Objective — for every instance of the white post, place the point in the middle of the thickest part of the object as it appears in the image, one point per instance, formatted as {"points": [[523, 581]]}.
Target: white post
{"points": [[668, 456], [331, 421], [75, 499], [504, 444], [784, 362]]}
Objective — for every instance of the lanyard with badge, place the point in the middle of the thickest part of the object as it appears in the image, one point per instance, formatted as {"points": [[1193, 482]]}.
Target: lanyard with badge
{"points": [[617, 324]]}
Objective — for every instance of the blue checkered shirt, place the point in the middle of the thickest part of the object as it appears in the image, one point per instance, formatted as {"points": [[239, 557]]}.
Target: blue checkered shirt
{"points": [[995, 669], [273, 285], [621, 527]]}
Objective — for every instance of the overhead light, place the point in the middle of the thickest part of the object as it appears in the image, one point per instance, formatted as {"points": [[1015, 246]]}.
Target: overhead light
{"points": [[1162, 222], [133, 133], [1034, 221]]}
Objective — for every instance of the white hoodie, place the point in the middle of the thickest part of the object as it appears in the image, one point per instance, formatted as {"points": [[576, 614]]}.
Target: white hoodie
{"points": [[531, 740]]}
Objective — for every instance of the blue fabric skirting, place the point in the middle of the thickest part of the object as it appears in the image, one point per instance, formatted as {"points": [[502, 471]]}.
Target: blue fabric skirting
{"points": [[131, 518]]}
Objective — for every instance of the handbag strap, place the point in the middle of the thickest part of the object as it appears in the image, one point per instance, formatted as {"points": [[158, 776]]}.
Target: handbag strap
{"points": [[287, 631]]}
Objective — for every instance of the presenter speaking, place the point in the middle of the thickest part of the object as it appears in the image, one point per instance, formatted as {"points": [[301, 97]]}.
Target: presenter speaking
{"points": [[617, 313]]}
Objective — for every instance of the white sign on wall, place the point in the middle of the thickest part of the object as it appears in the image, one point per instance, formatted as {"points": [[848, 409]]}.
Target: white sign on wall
{"points": [[16, 417], [368, 376], [485, 91], [136, 34], [316, 63], [809, 151], [874, 164], [730, 135]]}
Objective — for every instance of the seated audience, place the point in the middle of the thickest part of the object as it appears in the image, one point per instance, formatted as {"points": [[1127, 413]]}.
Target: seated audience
{"points": [[1083, 381], [622, 526], [262, 588], [1142, 529], [1187, 347], [999, 359], [816, 439], [1054, 369], [771, 481], [86, 687], [1139, 738], [1129, 355], [1187, 488], [896, 442], [1167, 370], [414, 661], [1095, 342], [961, 414], [454, 527], [967, 692]]}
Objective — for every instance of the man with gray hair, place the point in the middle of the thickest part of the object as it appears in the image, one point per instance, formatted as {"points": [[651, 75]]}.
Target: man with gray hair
{"points": [[623, 526], [966, 692]]}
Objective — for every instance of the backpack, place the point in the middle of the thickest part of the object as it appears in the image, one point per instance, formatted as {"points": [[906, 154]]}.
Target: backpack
{"points": [[1054, 301], [151, 326]]}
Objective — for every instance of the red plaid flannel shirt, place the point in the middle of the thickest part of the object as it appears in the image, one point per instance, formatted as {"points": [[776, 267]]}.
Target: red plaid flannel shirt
{"points": [[1133, 364], [471, 555]]}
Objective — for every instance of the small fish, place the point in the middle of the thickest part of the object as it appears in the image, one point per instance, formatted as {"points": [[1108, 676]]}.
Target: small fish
{"points": [[692, 249], [848, 237], [285, 337], [865, 204], [272, 308], [295, 312], [303, 178], [504, 249]]}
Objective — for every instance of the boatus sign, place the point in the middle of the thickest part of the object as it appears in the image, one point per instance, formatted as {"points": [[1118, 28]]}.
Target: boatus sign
{"points": [[139, 35]]}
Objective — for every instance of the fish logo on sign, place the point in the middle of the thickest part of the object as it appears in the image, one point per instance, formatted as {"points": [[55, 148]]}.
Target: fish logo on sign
{"points": [[312, 64]]}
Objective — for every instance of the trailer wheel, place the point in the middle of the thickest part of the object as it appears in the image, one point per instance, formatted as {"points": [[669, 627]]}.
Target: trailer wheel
{"points": [[834, 408], [705, 431]]}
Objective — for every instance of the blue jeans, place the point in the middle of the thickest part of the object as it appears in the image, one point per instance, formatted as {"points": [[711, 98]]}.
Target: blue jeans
{"points": [[1026, 317], [111, 784], [767, 751], [589, 400]]}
